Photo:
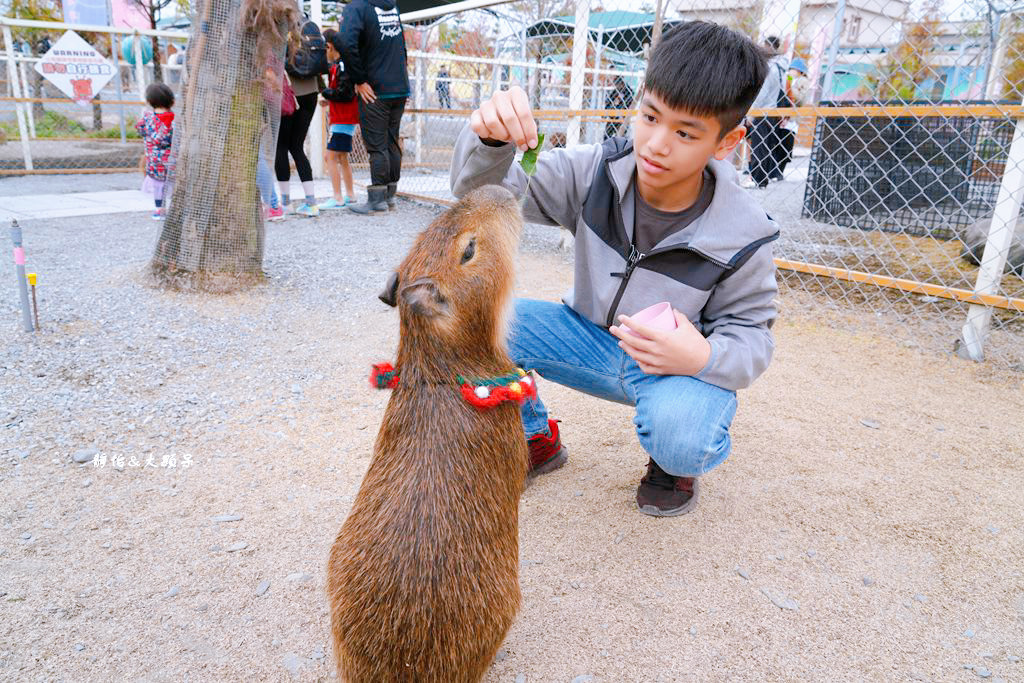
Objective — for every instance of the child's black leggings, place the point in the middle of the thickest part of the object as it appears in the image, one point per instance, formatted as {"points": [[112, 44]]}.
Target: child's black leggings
{"points": [[291, 137]]}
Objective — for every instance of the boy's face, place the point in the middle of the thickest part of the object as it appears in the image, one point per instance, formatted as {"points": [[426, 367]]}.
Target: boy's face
{"points": [[673, 145], [332, 54]]}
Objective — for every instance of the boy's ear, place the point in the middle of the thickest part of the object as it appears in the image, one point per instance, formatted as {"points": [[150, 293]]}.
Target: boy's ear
{"points": [[728, 143]]}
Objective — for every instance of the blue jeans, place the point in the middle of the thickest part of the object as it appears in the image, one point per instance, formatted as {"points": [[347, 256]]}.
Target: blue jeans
{"points": [[265, 181], [682, 422]]}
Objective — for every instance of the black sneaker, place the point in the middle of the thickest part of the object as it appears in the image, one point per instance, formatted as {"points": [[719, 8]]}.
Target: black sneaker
{"points": [[662, 495]]}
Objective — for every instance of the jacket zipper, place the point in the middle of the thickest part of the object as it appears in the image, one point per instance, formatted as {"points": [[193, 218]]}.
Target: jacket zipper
{"points": [[635, 256]]}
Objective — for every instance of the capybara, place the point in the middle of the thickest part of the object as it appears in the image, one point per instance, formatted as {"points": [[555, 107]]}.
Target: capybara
{"points": [[423, 578]]}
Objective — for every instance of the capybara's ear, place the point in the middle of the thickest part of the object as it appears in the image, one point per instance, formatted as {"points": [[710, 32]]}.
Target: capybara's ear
{"points": [[390, 293]]}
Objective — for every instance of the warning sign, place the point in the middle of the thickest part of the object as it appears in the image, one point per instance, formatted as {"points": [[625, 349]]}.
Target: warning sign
{"points": [[76, 68]]}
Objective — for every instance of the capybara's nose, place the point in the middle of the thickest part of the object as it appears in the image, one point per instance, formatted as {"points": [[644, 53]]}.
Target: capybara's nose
{"points": [[423, 297]]}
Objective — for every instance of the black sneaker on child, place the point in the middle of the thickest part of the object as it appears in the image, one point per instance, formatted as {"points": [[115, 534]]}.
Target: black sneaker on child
{"points": [[662, 495]]}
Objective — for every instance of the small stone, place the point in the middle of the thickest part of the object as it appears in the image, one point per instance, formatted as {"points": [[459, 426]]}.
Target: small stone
{"points": [[216, 548], [235, 547], [992, 529], [575, 584], [85, 455], [500, 657], [171, 593], [86, 483], [969, 633], [872, 424], [929, 299], [812, 553], [619, 536], [986, 655], [983, 673], [868, 581], [296, 389], [585, 678], [79, 646], [26, 536], [693, 630], [262, 588], [293, 663], [743, 572], [779, 599], [203, 607], [1013, 659], [920, 598], [318, 653], [226, 518], [579, 493], [520, 678], [300, 577]]}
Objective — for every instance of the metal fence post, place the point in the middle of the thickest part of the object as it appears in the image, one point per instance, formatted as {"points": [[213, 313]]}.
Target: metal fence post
{"points": [[12, 70], [316, 127], [418, 94], [579, 62], [28, 110], [974, 333], [140, 71], [115, 52], [833, 50]]}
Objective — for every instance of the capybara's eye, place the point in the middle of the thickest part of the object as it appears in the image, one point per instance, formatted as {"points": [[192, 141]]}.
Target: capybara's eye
{"points": [[470, 250]]}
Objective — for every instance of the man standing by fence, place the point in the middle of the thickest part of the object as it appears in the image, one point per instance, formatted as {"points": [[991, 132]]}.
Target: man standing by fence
{"points": [[373, 50]]}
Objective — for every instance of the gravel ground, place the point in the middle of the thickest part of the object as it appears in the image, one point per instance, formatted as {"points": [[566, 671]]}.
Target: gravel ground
{"points": [[867, 526]]}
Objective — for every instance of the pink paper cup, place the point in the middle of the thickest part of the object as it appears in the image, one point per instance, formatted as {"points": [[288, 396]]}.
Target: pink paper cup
{"points": [[659, 316]]}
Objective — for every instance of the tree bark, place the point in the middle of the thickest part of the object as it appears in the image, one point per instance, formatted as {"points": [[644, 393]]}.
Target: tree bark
{"points": [[213, 235]]}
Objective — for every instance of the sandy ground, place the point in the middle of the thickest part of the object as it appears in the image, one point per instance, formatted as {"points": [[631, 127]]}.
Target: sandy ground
{"points": [[869, 525]]}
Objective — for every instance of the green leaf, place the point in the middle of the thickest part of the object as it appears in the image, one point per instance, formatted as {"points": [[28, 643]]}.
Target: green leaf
{"points": [[529, 160]]}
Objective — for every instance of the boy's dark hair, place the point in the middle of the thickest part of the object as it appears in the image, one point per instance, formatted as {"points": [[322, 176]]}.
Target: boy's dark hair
{"points": [[159, 96], [707, 70], [333, 38]]}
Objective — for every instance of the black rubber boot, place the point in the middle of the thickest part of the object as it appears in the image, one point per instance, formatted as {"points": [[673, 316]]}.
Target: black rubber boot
{"points": [[392, 190], [376, 200]]}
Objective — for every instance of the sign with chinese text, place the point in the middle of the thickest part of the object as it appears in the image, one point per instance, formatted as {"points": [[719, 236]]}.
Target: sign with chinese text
{"points": [[76, 68]]}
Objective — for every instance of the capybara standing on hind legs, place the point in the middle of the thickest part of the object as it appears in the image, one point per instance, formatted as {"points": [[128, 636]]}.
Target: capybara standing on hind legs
{"points": [[423, 579]]}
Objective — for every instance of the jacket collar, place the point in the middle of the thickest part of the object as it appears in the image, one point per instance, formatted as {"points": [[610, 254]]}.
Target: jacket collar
{"points": [[731, 206]]}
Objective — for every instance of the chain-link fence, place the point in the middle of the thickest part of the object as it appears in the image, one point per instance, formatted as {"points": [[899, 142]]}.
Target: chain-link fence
{"points": [[93, 135], [883, 150], [887, 149]]}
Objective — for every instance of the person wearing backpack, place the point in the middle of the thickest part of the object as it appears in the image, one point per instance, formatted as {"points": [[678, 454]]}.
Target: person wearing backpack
{"points": [[304, 68], [766, 143], [373, 50]]}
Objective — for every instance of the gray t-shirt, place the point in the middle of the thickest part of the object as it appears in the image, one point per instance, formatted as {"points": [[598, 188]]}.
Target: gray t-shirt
{"points": [[653, 225]]}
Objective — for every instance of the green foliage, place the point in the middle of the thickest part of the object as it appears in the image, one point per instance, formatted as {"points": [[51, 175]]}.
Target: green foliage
{"points": [[529, 160], [907, 65], [1013, 73], [55, 125]]}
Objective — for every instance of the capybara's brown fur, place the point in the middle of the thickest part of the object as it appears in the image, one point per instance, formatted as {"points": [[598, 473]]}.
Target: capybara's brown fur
{"points": [[423, 578]]}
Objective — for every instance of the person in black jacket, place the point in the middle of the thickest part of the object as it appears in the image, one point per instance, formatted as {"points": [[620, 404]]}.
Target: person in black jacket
{"points": [[373, 49]]}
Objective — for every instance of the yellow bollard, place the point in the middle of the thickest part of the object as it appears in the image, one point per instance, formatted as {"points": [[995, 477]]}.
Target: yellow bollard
{"points": [[35, 309]]}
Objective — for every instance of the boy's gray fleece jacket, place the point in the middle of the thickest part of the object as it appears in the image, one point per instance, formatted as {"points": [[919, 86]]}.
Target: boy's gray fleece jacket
{"points": [[719, 272]]}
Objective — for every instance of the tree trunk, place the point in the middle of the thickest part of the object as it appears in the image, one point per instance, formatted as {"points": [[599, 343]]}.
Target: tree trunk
{"points": [[213, 235], [158, 71], [97, 113]]}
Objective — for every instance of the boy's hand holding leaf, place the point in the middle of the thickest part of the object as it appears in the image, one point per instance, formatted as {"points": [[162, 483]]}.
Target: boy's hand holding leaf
{"points": [[506, 117]]}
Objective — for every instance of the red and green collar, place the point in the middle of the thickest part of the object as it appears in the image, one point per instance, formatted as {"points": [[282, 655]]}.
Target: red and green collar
{"points": [[481, 393]]}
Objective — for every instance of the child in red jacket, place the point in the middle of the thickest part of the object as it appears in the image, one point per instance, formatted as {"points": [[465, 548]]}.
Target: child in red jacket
{"points": [[343, 115]]}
